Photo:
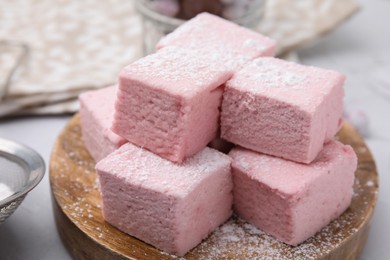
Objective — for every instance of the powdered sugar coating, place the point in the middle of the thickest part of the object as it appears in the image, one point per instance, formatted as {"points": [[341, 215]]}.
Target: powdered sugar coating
{"points": [[286, 176], [141, 167], [232, 44], [302, 86], [178, 71]]}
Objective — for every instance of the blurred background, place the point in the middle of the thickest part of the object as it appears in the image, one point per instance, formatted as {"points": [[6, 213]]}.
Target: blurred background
{"points": [[51, 51]]}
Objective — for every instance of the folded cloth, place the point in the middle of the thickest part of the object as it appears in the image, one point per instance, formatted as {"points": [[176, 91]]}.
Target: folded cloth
{"points": [[79, 45]]}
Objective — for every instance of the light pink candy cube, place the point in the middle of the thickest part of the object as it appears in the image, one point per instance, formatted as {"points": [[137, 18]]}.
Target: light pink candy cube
{"points": [[96, 116], [170, 206], [169, 102], [282, 108], [229, 42], [293, 201]]}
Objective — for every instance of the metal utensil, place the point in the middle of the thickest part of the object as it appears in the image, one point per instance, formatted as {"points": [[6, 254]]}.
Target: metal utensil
{"points": [[21, 168]]}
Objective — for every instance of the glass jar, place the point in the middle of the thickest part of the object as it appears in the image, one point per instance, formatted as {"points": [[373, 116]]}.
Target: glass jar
{"points": [[157, 22]]}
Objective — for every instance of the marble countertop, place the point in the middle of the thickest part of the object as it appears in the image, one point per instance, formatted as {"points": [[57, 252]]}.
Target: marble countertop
{"points": [[359, 48]]}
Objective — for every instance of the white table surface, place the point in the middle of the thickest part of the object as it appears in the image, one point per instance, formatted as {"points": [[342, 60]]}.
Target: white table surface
{"points": [[360, 49]]}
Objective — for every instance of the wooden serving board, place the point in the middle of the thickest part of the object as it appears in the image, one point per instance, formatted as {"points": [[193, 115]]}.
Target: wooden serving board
{"points": [[77, 210]]}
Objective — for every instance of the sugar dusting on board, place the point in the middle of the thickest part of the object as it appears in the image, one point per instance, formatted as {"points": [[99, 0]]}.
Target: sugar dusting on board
{"points": [[239, 239]]}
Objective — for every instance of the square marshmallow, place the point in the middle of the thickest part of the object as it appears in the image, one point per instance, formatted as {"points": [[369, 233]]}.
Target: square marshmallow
{"points": [[96, 116], [170, 206], [229, 42], [293, 201], [282, 108], [169, 102]]}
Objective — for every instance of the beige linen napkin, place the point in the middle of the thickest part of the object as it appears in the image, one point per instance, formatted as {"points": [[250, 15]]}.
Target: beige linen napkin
{"points": [[74, 45]]}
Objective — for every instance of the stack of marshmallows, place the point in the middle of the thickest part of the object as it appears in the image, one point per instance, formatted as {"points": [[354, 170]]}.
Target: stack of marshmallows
{"points": [[211, 78]]}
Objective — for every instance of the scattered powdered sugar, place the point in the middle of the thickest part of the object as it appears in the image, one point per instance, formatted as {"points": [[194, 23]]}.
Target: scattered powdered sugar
{"points": [[361, 149], [173, 65], [5, 191], [141, 167], [221, 38], [274, 76], [251, 43], [237, 239], [170, 255]]}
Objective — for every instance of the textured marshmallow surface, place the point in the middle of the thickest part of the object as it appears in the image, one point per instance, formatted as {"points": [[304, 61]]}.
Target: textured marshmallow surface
{"points": [[232, 44], [96, 115], [293, 201], [282, 108], [168, 102], [170, 206]]}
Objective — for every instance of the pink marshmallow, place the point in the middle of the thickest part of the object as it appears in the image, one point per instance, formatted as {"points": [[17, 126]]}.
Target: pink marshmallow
{"points": [[282, 108], [293, 201], [232, 44], [96, 116], [169, 102], [170, 206]]}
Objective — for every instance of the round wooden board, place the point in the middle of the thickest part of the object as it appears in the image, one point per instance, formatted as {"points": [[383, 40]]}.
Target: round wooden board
{"points": [[83, 230]]}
